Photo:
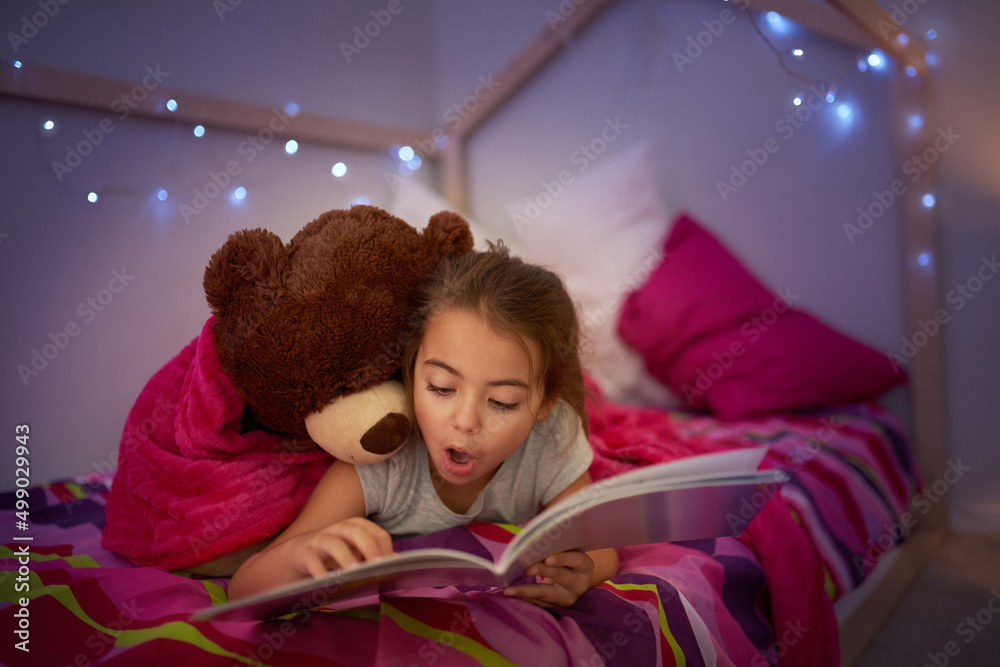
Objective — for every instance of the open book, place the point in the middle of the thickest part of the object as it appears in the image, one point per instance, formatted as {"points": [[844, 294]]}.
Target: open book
{"points": [[704, 496]]}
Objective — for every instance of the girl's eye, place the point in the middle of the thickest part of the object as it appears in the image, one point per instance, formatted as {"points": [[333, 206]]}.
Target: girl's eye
{"points": [[504, 407], [440, 391]]}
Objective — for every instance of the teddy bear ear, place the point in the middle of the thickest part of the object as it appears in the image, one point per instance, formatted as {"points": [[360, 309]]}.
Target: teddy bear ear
{"points": [[449, 234], [249, 258]]}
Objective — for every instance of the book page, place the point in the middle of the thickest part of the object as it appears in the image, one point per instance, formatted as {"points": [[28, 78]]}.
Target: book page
{"points": [[407, 569], [679, 500]]}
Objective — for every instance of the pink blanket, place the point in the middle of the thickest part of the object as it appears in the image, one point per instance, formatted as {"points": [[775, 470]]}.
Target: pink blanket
{"points": [[190, 486]]}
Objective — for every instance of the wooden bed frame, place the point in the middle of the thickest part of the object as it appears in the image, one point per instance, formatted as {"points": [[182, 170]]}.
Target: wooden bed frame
{"points": [[858, 23]]}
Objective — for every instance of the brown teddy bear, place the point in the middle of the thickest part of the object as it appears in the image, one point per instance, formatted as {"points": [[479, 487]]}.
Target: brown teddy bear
{"points": [[309, 333], [303, 349]]}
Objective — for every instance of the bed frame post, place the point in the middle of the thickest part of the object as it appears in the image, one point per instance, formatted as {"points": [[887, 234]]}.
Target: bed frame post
{"points": [[910, 98]]}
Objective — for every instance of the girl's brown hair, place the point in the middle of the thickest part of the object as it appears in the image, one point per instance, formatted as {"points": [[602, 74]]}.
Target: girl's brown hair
{"points": [[517, 299]]}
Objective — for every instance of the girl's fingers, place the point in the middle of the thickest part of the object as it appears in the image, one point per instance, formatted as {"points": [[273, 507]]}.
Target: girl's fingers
{"points": [[339, 551], [542, 595], [372, 539], [313, 563], [362, 545], [344, 544], [574, 560]]}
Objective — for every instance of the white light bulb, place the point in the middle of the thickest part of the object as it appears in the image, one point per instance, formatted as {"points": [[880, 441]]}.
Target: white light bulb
{"points": [[339, 169], [161, 194], [291, 146], [92, 197], [797, 101], [199, 130], [405, 153], [929, 200], [171, 105], [48, 125], [240, 193], [797, 53]]}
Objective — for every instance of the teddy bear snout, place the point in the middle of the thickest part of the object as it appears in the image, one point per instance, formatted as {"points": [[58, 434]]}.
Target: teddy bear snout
{"points": [[387, 435]]}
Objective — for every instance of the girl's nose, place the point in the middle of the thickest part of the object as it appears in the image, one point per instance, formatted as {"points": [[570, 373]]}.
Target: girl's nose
{"points": [[466, 418]]}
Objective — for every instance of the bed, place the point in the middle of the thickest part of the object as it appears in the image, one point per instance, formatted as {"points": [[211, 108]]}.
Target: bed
{"points": [[763, 598], [807, 582]]}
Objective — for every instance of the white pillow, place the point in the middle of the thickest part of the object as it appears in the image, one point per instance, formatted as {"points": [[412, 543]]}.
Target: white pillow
{"points": [[603, 233]]}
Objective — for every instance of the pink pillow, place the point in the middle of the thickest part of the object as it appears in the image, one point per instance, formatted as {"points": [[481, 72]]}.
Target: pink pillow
{"points": [[714, 335]]}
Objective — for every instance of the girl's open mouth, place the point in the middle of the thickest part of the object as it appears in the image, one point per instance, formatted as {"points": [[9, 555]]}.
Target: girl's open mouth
{"points": [[458, 461]]}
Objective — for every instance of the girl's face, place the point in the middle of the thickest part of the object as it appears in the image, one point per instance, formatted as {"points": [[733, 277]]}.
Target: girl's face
{"points": [[474, 398]]}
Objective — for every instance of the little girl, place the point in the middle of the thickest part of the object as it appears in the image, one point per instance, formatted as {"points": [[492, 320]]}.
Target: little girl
{"points": [[493, 373]]}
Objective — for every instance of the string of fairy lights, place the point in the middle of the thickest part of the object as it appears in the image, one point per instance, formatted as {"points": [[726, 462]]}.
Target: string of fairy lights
{"points": [[873, 61], [408, 160]]}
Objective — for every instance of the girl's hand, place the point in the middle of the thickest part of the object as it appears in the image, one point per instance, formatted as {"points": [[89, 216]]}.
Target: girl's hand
{"points": [[339, 545], [565, 577]]}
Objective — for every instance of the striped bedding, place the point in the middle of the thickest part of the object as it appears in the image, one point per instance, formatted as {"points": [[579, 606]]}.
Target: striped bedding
{"points": [[763, 598]]}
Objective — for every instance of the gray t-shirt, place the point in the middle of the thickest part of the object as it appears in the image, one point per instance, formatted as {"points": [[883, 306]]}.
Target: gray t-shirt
{"points": [[400, 496]]}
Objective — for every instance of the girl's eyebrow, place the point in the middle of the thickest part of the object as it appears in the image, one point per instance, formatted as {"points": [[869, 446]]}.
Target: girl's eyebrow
{"points": [[506, 382]]}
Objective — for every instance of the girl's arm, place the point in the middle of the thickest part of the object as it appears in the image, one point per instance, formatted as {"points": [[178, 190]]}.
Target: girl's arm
{"points": [[567, 575], [330, 532]]}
